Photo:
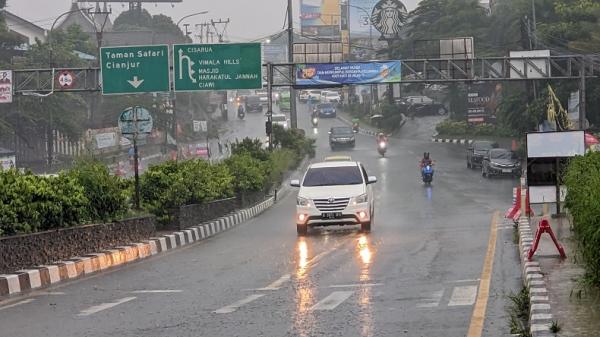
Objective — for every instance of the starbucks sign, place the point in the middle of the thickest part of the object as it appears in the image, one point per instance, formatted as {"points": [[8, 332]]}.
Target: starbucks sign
{"points": [[387, 17]]}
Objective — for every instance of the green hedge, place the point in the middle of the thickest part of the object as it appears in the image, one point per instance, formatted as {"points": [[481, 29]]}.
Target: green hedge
{"points": [[449, 127], [583, 201]]}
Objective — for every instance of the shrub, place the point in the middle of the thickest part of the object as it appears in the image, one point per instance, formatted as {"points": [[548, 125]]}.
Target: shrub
{"points": [[295, 140], [249, 173], [449, 127], [583, 200], [280, 161], [163, 188], [252, 147], [206, 182], [105, 192]]}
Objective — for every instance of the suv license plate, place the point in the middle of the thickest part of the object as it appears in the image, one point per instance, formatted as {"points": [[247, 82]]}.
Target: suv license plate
{"points": [[331, 215], [506, 170]]}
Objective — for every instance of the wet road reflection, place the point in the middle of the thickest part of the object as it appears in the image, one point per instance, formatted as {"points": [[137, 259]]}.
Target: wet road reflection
{"points": [[303, 318], [365, 253]]}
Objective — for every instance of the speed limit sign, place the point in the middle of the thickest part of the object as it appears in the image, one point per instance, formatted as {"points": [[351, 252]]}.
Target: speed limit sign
{"points": [[66, 79]]}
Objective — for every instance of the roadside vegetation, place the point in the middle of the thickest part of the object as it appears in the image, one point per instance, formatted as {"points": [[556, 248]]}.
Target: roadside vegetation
{"points": [[518, 310], [89, 193], [582, 179]]}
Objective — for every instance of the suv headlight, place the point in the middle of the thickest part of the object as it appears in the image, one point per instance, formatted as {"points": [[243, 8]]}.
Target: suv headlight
{"points": [[303, 202], [360, 199]]}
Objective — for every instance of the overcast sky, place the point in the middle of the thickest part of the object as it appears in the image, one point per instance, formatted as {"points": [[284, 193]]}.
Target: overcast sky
{"points": [[250, 19]]}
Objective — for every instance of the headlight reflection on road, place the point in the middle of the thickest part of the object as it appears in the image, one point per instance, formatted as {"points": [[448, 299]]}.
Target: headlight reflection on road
{"points": [[365, 294], [302, 258], [363, 250], [304, 321]]}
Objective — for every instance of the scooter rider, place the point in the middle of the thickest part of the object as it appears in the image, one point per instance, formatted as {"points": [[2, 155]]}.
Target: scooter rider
{"points": [[425, 160], [381, 137]]}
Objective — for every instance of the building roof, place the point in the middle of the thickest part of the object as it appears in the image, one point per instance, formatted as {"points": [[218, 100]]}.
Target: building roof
{"points": [[23, 27], [88, 22]]}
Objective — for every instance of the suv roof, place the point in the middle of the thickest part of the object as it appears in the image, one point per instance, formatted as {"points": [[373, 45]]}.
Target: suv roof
{"points": [[335, 164]]}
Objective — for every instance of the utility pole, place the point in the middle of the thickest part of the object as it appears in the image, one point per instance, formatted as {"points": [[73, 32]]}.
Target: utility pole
{"points": [[534, 24], [290, 20], [269, 124], [222, 31], [582, 96]]}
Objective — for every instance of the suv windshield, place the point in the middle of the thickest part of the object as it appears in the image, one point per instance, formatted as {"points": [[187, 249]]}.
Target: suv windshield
{"points": [[483, 146], [252, 99], [279, 118], [331, 176], [501, 154], [342, 130], [325, 106], [332, 94]]}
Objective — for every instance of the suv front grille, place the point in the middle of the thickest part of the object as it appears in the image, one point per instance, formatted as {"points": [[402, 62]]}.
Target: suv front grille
{"points": [[333, 205]]}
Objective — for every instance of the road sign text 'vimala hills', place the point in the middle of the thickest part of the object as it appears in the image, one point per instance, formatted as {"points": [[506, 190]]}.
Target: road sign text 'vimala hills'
{"points": [[135, 69], [217, 66]]}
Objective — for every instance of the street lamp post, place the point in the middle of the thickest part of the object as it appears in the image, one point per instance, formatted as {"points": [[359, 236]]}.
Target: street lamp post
{"points": [[190, 15]]}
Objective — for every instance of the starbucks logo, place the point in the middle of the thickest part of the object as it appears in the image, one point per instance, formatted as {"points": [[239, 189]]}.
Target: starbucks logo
{"points": [[388, 16]]}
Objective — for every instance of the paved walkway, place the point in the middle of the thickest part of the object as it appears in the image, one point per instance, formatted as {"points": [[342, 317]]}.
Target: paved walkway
{"points": [[577, 310]]}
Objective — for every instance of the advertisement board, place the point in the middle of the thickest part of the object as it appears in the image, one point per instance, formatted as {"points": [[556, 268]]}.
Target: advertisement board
{"points": [[6, 91], [537, 64], [482, 102], [555, 144], [348, 73], [320, 18], [359, 22]]}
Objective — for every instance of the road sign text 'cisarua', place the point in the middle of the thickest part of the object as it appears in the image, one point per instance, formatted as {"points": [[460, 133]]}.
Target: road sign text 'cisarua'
{"points": [[135, 69]]}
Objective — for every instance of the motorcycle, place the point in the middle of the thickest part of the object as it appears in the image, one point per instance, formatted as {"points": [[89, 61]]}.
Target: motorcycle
{"points": [[382, 148], [355, 127], [241, 113], [427, 174], [315, 121]]}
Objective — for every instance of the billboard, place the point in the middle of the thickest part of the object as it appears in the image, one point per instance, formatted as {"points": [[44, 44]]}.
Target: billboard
{"points": [[537, 65], [482, 102], [359, 22], [6, 86], [348, 73], [555, 144], [320, 18]]}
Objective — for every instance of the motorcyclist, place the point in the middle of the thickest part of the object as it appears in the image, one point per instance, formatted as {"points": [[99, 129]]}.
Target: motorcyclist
{"points": [[240, 109], [426, 160], [381, 137]]}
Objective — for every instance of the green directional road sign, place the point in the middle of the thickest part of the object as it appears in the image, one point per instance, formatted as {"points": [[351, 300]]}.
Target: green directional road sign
{"points": [[217, 66], [135, 69]]}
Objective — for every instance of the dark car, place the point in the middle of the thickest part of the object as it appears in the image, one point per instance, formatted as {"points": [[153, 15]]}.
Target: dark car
{"points": [[253, 103], [325, 110], [340, 136], [477, 150], [499, 162]]}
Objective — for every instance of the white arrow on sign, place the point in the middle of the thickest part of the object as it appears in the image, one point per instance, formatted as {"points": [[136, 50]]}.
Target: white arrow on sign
{"points": [[135, 82]]}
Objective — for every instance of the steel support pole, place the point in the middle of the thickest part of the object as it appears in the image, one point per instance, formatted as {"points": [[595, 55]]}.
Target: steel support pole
{"points": [[582, 96], [270, 102], [293, 114]]}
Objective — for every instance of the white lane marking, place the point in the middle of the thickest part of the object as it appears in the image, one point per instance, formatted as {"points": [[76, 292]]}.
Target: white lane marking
{"points": [[463, 296], [275, 285], [104, 306], [357, 285], [333, 300], [164, 291], [51, 293], [432, 301], [235, 306], [17, 304]]}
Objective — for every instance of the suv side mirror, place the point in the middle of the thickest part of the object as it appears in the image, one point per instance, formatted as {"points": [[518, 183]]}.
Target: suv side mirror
{"points": [[371, 180], [295, 183]]}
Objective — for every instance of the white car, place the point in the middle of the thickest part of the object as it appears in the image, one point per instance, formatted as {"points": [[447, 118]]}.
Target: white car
{"points": [[334, 193], [280, 119], [304, 96], [331, 97], [314, 95]]}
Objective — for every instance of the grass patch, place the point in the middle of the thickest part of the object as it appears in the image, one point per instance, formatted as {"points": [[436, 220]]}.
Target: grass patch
{"points": [[519, 312], [555, 327]]}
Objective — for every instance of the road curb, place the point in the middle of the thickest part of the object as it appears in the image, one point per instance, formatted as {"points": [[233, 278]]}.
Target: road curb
{"points": [[362, 131], [76, 267], [540, 313], [452, 140]]}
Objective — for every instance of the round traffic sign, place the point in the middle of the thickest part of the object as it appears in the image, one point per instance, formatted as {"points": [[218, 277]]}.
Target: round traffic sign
{"points": [[66, 79]]}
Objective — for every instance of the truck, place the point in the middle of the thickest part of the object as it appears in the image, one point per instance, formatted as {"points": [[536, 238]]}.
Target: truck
{"points": [[284, 101]]}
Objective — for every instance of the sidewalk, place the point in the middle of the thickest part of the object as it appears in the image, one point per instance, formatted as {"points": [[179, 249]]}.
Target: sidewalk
{"points": [[577, 310]]}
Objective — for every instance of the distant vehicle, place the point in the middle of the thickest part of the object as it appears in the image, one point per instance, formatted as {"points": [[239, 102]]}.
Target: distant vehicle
{"points": [[284, 101], [280, 119], [421, 106], [326, 110], [253, 104], [499, 162], [263, 96], [334, 193], [314, 95], [340, 136], [338, 158], [331, 97], [477, 150], [241, 95], [304, 96]]}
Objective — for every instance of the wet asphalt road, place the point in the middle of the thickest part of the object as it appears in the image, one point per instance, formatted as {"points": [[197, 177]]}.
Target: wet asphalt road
{"points": [[416, 274]]}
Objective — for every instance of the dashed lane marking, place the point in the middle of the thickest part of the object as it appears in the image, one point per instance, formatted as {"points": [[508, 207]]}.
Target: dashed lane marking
{"points": [[275, 285], [104, 306], [432, 301], [17, 304], [463, 296], [233, 307], [333, 300], [163, 291]]}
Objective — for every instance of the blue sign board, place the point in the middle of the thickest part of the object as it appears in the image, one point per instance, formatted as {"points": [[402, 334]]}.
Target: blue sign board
{"points": [[135, 122], [348, 73]]}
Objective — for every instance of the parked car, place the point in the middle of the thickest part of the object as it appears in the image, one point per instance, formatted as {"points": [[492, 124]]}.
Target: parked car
{"points": [[340, 136], [253, 104], [325, 110], [477, 150], [334, 193], [499, 162]]}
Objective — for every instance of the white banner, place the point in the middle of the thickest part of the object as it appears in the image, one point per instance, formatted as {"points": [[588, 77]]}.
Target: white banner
{"points": [[104, 140], [6, 87]]}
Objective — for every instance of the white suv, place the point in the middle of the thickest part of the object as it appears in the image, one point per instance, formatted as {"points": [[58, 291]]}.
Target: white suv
{"points": [[331, 97], [335, 193]]}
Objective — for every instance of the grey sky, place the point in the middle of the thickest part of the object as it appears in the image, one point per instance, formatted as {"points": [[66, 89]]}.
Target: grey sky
{"points": [[250, 19]]}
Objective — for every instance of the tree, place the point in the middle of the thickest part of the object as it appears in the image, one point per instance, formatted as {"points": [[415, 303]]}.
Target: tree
{"points": [[8, 40]]}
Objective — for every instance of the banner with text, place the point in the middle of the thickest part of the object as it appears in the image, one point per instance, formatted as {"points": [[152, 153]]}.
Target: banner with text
{"points": [[6, 86], [348, 73]]}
